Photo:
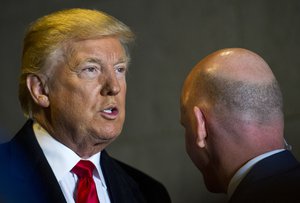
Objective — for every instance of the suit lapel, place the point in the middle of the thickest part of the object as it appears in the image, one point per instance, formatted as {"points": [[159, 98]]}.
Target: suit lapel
{"points": [[36, 181], [121, 187], [30, 167]]}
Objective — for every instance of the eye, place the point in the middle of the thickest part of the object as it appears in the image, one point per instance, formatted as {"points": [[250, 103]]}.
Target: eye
{"points": [[90, 69], [89, 72], [121, 70]]}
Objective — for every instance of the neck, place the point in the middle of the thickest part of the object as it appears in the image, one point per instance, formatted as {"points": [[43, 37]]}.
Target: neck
{"points": [[83, 147]]}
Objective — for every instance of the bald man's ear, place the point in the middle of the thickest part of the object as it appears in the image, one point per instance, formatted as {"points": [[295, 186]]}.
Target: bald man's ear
{"points": [[37, 89], [201, 130]]}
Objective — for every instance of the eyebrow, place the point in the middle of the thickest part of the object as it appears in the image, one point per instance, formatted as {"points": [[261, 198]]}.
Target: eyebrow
{"points": [[99, 61]]}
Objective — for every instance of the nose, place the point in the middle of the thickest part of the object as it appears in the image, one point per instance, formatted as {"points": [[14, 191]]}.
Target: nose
{"points": [[111, 86]]}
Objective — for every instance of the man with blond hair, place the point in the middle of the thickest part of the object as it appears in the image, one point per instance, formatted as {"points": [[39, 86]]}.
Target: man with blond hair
{"points": [[231, 108], [72, 89]]}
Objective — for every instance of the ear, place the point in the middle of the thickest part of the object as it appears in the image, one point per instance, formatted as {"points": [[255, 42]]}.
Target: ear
{"points": [[201, 130], [38, 91]]}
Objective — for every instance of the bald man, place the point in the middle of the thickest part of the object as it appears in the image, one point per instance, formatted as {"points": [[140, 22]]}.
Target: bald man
{"points": [[231, 109]]}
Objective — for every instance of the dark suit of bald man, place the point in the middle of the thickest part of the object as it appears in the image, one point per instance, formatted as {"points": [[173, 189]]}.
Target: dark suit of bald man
{"points": [[273, 179]]}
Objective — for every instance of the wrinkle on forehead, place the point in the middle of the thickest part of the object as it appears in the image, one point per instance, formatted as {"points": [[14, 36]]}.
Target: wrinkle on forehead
{"points": [[107, 53]]}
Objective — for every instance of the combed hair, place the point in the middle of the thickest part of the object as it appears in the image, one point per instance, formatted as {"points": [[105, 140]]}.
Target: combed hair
{"points": [[260, 101], [49, 33]]}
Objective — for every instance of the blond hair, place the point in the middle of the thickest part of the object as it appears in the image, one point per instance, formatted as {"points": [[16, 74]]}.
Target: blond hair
{"points": [[48, 33]]}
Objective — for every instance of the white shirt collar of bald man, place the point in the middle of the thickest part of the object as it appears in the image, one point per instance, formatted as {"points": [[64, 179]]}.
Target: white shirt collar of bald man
{"points": [[244, 170]]}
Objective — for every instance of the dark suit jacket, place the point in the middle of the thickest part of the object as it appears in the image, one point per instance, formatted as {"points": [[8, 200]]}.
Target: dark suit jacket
{"points": [[26, 176], [273, 179]]}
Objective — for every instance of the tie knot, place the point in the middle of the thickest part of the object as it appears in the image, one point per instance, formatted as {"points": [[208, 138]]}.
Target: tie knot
{"points": [[84, 169]]}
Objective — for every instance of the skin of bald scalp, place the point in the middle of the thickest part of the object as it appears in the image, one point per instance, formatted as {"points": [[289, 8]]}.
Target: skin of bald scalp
{"points": [[231, 109]]}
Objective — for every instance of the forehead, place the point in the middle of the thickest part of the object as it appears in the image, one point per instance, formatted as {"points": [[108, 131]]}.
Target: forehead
{"points": [[106, 48]]}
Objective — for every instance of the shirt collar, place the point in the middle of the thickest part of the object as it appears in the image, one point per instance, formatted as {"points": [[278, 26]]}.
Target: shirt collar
{"points": [[242, 172], [60, 158]]}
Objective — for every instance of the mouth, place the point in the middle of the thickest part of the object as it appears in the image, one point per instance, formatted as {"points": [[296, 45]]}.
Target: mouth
{"points": [[110, 112]]}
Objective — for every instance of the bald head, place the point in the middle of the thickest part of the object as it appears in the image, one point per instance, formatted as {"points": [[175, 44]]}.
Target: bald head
{"points": [[237, 64], [237, 80], [231, 108]]}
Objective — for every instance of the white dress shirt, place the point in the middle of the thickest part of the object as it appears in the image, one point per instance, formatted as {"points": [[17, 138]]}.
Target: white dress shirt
{"points": [[242, 172], [62, 159]]}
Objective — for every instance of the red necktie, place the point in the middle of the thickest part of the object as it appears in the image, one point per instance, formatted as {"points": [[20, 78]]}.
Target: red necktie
{"points": [[86, 188]]}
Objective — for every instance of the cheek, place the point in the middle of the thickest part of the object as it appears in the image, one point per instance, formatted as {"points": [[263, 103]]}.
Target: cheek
{"points": [[122, 93], [124, 86]]}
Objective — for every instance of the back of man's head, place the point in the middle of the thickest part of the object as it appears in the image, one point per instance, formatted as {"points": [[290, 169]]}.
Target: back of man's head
{"points": [[240, 104]]}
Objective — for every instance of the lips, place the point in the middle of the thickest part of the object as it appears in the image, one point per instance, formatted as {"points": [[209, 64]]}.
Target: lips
{"points": [[110, 112]]}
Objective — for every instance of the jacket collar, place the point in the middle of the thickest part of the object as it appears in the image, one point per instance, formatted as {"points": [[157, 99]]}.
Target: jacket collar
{"points": [[30, 167]]}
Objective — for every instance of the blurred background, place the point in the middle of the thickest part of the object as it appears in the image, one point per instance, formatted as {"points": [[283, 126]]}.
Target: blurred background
{"points": [[172, 36]]}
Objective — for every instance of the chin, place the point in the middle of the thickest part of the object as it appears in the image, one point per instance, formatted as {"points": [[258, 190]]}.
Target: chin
{"points": [[109, 135]]}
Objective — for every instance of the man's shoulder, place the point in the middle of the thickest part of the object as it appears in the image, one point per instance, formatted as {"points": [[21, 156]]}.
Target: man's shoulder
{"points": [[139, 176], [19, 146], [152, 190], [25, 174], [4, 155], [276, 178]]}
